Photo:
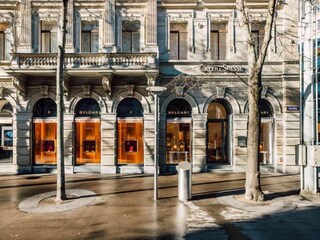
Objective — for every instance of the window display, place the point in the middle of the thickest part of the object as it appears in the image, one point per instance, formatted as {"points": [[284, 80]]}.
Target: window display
{"points": [[130, 141]]}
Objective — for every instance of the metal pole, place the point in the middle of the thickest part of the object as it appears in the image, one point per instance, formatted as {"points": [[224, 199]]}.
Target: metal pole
{"points": [[156, 146]]}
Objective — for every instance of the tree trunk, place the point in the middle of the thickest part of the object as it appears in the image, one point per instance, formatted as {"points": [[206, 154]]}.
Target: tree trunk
{"points": [[253, 186], [255, 65], [61, 189]]}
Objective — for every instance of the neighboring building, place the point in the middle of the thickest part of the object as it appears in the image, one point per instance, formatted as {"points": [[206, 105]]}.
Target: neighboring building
{"points": [[114, 51]]}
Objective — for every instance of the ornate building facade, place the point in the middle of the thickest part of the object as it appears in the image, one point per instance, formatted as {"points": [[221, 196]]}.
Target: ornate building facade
{"points": [[115, 49]]}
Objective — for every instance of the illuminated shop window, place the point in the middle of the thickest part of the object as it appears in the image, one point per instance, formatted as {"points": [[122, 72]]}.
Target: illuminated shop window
{"points": [[88, 132], [6, 132], [130, 132], [178, 143], [45, 132]]}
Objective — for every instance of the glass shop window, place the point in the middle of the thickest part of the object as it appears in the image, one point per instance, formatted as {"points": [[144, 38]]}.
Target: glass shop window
{"points": [[6, 132], [45, 132], [90, 36]]}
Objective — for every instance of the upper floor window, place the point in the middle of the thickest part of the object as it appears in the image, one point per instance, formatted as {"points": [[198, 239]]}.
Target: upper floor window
{"points": [[257, 33], [49, 37], [218, 41], [130, 36], [4, 43], [89, 36], [178, 41]]}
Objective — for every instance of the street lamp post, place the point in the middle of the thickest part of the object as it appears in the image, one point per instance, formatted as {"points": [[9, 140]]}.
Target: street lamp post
{"points": [[156, 90]]}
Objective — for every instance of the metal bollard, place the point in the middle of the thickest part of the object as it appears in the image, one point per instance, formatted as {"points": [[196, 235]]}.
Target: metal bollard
{"points": [[184, 181]]}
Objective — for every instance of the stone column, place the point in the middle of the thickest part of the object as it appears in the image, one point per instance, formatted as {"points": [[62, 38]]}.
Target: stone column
{"points": [[23, 142], [109, 28], [68, 141], [25, 27], [69, 36], [199, 155], [162, 141], [240, 128], [151, 24], [149, 143], [108, 143]]}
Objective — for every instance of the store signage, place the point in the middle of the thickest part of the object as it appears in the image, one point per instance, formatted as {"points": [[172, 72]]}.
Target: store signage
{"points": [[293, 108], [222, 69], [176, 113], [88, 113]]}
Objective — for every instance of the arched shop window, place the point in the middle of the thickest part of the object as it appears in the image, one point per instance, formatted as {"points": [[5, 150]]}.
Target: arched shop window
{"points": [[266, 132], [88, 132], [130, 132], [45, 132], [6, 131], [178, 132], [217, 133]]}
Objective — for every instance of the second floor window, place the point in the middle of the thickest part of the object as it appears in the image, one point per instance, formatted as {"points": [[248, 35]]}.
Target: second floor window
{"points": [[178, 41], [218, 41], [257, 33], [89, 37], [5, 44], [49, 37], [130, 36]]}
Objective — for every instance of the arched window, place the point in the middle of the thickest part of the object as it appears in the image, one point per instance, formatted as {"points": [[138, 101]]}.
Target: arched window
{"points": [[44, 108], [6, 131], [129, 107], [87, 107]]}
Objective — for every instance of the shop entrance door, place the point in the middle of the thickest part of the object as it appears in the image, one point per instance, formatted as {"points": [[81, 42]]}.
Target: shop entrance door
{"points": [[217, 141]]}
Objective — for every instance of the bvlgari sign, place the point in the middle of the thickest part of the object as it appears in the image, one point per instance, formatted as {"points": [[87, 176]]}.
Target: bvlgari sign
{"points": [[222, 69]]}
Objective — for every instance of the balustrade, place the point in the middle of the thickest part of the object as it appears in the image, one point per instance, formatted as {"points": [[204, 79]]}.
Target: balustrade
{"points": [[86, 60]]}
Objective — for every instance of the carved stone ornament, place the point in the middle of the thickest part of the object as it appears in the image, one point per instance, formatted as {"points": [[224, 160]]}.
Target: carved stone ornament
{"points": [[151, 78], [44, 90], [6, 17], [106, 83], [220, 17], [262, 17], [130, 90], [264, 91], [1, 91], [48, 16], [87, 90], [179, 91], [221, 92], [180, 18], [20, 85], [66, 80]]}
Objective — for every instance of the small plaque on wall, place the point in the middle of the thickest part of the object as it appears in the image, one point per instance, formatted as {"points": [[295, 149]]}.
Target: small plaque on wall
{"points": [[242, 141]]}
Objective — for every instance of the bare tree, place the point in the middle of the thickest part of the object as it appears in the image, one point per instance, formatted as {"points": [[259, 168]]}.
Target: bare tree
{"points": [[256, 60], [61, 189]]}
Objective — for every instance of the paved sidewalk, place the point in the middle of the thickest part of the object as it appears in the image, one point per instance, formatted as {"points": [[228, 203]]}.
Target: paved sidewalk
{"points": [[124, 209]]}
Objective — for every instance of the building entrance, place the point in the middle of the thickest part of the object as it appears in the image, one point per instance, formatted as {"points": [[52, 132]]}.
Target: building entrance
{"points": [[88, 136], [217, 134]]}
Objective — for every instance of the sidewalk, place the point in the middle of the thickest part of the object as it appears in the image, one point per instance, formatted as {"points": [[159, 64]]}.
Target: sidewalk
{"points": [[124, 209]]}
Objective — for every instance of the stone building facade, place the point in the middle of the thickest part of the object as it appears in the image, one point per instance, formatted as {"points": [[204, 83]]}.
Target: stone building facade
{"points": [[115, 49]]}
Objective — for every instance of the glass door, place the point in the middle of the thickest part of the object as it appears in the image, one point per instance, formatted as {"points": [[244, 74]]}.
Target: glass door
{"points": [[217, 139]]}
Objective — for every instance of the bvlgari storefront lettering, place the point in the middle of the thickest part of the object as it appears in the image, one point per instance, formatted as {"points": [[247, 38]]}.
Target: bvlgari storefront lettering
{"points": [[178, 113], [222, 69], [81, 113]]}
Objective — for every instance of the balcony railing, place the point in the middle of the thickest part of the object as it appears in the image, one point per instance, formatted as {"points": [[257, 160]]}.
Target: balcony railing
{"points": [[86, 60]]}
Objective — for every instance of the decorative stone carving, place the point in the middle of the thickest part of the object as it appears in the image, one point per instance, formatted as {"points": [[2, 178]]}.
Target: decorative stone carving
{"points": [[1, 91], [44, 90], [221, 92], [6, 17], [220, 17], [151, 78], [20, 85], [106, 83], [262, 17], [87, 90], [65, 82], [264, 91], [179, 91], [130, 90]]}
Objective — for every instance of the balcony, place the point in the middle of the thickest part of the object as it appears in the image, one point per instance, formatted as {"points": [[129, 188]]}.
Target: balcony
{"points": [[31, 64]]}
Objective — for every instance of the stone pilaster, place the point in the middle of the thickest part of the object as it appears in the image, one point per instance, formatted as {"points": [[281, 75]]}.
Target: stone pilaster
{"points": [[23, 142], [108, 142], [162, 140], [69, 35], [25, 27], [199, 155], [109, 28], [151, 26], [149, 143]]}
